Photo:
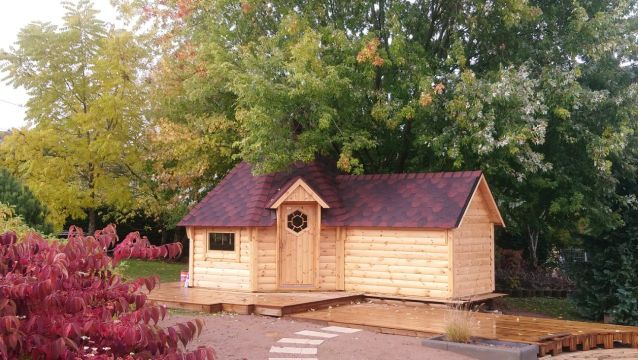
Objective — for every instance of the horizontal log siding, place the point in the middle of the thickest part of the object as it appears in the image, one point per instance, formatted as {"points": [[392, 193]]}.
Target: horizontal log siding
{"points": [[327, 279], [221, 269], [474, 250], [397, 262], [267, 259]]}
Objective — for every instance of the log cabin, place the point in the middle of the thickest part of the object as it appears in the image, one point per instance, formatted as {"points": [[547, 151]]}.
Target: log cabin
{"points": [[428, 235]]}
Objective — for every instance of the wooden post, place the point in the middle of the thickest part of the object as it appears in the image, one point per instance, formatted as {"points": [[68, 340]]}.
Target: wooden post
{"points": [[573, 343], [278, 249], [493, 260], [317, 239], [190, 232], [340, 258], [449, 239], [608, 341], [254, 258], [558, 347]]}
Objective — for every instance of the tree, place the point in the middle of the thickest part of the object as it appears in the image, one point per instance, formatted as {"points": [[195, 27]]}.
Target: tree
{"points": [[608, 281], [183, 161], [61, 301], [85, 107], [540, 95], [22, 200]]}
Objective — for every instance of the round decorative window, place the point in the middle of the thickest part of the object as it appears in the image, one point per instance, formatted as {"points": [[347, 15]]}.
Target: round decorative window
{"points": [[297, 221]]}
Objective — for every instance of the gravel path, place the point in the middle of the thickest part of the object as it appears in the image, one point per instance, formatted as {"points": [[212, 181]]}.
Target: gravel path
{"points": [[252, 337]]}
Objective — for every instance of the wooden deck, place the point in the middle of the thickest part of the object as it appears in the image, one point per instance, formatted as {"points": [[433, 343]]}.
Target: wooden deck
{"points": [[552, 335], [174, 295], [402, 316]]}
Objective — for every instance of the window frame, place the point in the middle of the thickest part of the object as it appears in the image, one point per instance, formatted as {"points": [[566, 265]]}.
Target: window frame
{"points": [[290, 222], [218, 254]]}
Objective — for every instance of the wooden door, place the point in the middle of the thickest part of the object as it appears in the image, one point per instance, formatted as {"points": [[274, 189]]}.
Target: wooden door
{"points": [[298, 235]]}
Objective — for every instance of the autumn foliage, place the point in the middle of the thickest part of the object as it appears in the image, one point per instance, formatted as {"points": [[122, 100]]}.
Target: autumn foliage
{"points": [[60, 300]]}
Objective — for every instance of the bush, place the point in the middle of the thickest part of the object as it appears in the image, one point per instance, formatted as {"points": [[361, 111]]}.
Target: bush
{"points": [[60, 300], [514, 273], [459, 325], [9, 221], [608, 283], [24, 203]]}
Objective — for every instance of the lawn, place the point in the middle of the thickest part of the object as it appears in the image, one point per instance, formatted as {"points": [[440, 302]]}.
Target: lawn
{"points": [[552, 307], [167, 271]]}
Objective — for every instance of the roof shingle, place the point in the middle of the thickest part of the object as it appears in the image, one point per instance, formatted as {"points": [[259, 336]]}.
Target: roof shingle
{"points": [[414, 200]]}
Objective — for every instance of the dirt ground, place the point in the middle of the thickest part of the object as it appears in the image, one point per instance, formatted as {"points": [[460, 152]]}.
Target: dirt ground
{"points": [[249, 337]]}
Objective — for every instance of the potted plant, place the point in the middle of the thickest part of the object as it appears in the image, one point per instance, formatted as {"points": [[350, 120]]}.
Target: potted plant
{"points": [[458, 338]]}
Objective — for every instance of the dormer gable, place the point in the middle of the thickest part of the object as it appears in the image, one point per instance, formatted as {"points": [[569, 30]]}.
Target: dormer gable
{"points": [[297, 190]]}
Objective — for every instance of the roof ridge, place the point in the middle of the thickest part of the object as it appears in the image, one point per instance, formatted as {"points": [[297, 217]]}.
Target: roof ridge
{"points": [[411, 175], [413, 199]]}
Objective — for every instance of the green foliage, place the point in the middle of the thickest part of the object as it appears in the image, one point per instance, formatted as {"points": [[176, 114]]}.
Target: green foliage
{"points": [[23, 202], [540, 95], [9, 221], [537, 94], [85, 107], [608, 284]]}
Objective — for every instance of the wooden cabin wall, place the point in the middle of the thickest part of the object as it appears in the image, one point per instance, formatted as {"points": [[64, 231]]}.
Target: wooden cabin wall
{"points": [[404, 262], [225, 271], [327, 259], [229, 270], [266, 277], [473, 250]]}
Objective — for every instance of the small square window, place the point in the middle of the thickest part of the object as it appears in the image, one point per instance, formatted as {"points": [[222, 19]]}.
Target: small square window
{"points": [[221, 241]]}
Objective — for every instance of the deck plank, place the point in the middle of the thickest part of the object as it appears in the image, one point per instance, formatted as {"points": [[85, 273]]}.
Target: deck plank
{"points": [[173, 295], [552, 335]]}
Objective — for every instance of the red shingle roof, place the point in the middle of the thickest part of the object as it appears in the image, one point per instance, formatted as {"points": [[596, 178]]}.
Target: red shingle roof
{"points": [[415, 200]]}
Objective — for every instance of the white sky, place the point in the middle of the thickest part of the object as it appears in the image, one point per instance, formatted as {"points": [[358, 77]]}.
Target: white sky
{"points": [[15, 15]]}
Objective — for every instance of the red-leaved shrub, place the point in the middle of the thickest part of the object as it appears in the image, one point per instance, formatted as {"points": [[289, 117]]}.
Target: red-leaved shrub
{"points": [[60, 300]]}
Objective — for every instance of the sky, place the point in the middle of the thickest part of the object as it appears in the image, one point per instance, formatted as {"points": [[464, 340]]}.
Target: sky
{"points": [[14, 16]]}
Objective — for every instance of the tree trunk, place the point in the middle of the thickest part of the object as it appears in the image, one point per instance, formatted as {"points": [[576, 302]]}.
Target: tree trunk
{"points": [[180, 236], [92, 221], [407, 143], [533, 245], [164, 239]]}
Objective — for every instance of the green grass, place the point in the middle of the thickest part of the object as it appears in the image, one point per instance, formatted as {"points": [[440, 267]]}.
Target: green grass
{"points": [[552, 307], [167, 271]]}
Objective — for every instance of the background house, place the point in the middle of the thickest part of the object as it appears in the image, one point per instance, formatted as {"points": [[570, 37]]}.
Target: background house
{"points": [[309, 228]]}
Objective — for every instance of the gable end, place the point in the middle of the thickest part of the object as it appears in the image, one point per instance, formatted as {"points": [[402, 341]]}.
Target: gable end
{"points": [[296, 190], [482, 188]]}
